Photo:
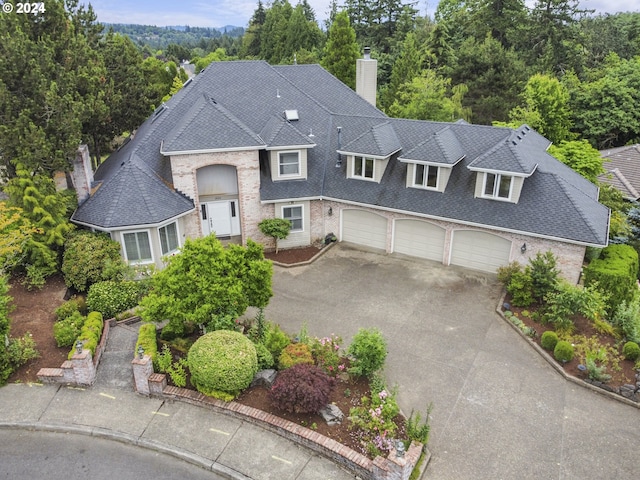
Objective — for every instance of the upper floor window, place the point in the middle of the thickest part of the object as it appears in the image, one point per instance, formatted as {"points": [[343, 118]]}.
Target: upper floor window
{"points": [[497, 185], [426, 176], [137, 247], [169, 238], [294, 215], [289, 164], [363, 167]]}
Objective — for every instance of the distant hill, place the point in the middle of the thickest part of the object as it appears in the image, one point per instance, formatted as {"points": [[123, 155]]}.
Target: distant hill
{"points": [[159, 37]]}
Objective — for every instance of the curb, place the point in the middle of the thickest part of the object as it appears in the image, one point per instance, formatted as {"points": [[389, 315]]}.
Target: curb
{"points": [[551, 361], [306, 262], [128, 439]]}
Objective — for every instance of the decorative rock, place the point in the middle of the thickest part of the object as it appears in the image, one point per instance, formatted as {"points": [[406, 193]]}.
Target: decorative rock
{"points": [[332, 414], [264, 378]]}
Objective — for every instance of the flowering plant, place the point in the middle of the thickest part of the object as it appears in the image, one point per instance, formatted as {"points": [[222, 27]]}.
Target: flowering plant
{"points": [[374, 417], [326, 353]]}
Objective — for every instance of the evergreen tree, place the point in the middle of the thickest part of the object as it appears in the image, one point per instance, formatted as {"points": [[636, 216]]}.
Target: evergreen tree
{"points": [[252, 39], [408, 65], [341, 50]]}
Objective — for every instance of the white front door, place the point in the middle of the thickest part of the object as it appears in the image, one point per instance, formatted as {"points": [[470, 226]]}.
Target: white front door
{"points": [[220, 217]]}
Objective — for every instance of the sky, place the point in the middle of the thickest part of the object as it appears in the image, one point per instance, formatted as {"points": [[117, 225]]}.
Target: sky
{"points": [[219, 13]]}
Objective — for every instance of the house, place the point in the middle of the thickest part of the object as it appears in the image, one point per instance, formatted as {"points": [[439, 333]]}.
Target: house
{"points": [[623, 172], [244, 141]]}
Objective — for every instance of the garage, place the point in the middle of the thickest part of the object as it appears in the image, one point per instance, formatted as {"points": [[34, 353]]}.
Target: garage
{"points": [[419, 239], [364, 228], [479, 250]]}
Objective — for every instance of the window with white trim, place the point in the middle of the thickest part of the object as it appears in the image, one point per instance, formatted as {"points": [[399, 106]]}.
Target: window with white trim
{"points": [[363, 167], [294, 215], [137, 247], [425, 176], [289, 164], [497, 185], [169, 238]]}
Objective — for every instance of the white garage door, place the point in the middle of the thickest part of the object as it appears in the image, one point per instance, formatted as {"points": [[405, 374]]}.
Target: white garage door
{"points": [[479, 250], [419, 239], [364, 228]]}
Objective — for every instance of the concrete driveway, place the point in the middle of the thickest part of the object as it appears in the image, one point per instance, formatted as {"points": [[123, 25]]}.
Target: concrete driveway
{"points": [[500, 411]]}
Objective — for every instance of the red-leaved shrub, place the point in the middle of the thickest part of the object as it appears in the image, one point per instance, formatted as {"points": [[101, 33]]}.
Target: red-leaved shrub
{"points": [[302, 388]]}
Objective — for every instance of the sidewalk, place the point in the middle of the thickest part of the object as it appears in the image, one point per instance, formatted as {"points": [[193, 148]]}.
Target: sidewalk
{"points": [[110, 409]]}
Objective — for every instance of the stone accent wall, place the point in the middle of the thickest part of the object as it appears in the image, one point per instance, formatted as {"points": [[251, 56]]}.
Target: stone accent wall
{"points": [[142, 370], [184, 169]]}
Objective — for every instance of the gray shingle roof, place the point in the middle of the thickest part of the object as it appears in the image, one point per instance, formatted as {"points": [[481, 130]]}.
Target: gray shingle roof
{"points": [[623, 170], [250, 98]]}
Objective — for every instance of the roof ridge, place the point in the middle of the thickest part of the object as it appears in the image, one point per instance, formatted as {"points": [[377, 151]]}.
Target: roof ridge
{"points": [[302, 92], [239, 123], [567, 188], [625, 182]]}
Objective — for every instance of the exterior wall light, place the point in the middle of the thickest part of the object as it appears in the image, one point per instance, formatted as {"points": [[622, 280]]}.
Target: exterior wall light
{"points": [[523, 248]]}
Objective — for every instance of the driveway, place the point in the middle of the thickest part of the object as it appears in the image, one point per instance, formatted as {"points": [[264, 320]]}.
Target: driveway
{"points": [[500, 411]]}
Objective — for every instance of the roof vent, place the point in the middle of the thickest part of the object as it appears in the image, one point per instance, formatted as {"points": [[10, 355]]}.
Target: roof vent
{"points": [[277, 93], [311, 133], [367, 53], [291, 115], [159, 111], [514, 142]]}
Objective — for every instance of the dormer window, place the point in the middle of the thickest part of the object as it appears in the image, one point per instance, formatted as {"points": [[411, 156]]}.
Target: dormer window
{"points": [[497, 185], [289, 164], [426, 176], [363, 167]]}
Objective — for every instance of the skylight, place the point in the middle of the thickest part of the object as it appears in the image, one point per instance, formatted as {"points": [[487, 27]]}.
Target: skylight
{"points": [[291, 115]]}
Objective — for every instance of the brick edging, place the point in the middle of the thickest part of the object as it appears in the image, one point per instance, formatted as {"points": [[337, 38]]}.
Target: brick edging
{"points": [[350, 459], [551, 361]]}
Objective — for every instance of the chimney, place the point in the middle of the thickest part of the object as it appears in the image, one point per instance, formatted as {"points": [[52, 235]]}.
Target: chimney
{"points": [[82, 175], [367, 77]]}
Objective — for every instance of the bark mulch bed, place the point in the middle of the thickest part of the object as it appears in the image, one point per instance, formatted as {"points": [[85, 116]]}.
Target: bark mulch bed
{"points": [[294, 255]]}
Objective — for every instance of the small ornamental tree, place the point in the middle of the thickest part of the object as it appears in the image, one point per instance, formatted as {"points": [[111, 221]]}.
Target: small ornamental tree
{"points": [[277, 228], [369, 351], [302, 388], [207, 283]]}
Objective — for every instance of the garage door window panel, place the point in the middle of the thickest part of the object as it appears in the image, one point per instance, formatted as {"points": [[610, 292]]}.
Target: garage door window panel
{"points": [[294, 214], [363, 167]]}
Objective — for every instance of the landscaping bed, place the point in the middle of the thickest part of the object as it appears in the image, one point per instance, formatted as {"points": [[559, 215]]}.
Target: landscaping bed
{"points": [[292, 256]]}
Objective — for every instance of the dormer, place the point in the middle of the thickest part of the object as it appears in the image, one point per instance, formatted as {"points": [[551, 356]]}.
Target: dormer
{"points": [[287, 147], [429, 164], [368, 155], [502, 170]]}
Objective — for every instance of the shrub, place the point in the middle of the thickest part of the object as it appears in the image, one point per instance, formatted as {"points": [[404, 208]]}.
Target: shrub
{"points": [[111, 298], [148, 341], [627, 318], [369, 351], [22, 349], [293, 354], [90, 258], [506, 272], [614, 272], [164, 359], [375, 417], [326, 353], [417, 429], [275, 339], [222, 363], [563, 351], [67, 309], [520, 288], [302, 388], [544, 274], [176, 329], [597, 372], [631, 351], [67, 330], [549, 340], [90, 333], [265, 359]]}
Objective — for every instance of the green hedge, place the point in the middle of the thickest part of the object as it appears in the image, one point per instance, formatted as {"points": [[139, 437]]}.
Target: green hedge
{"points": [[111, 298], [90, 333], [616, 273], [147, 339], [66, 331]]}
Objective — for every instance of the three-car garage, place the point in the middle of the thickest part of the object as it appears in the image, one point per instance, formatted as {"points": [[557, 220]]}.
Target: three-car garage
{"points": [[474, 249]]}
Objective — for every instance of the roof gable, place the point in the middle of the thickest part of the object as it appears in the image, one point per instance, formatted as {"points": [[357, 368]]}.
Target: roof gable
{"points": [[517, 154], [278, 132], [379, 141], [442, 147]]}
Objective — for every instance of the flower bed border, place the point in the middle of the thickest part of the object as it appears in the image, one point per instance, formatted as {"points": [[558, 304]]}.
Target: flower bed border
{"points": [[558, 368]]}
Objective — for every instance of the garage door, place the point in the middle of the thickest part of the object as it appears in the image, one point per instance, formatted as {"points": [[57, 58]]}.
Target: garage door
{"points": [[479, 250], [419, 239], [364, 228]]}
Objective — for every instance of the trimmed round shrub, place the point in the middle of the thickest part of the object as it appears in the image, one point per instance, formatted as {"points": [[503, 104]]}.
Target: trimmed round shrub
{"points": [[563, 351], [293, 354], [111, 298], [66, 331], [549, 340], [369, 351], [265, 359], [222, 363], [302, 388], [631, 351]]}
